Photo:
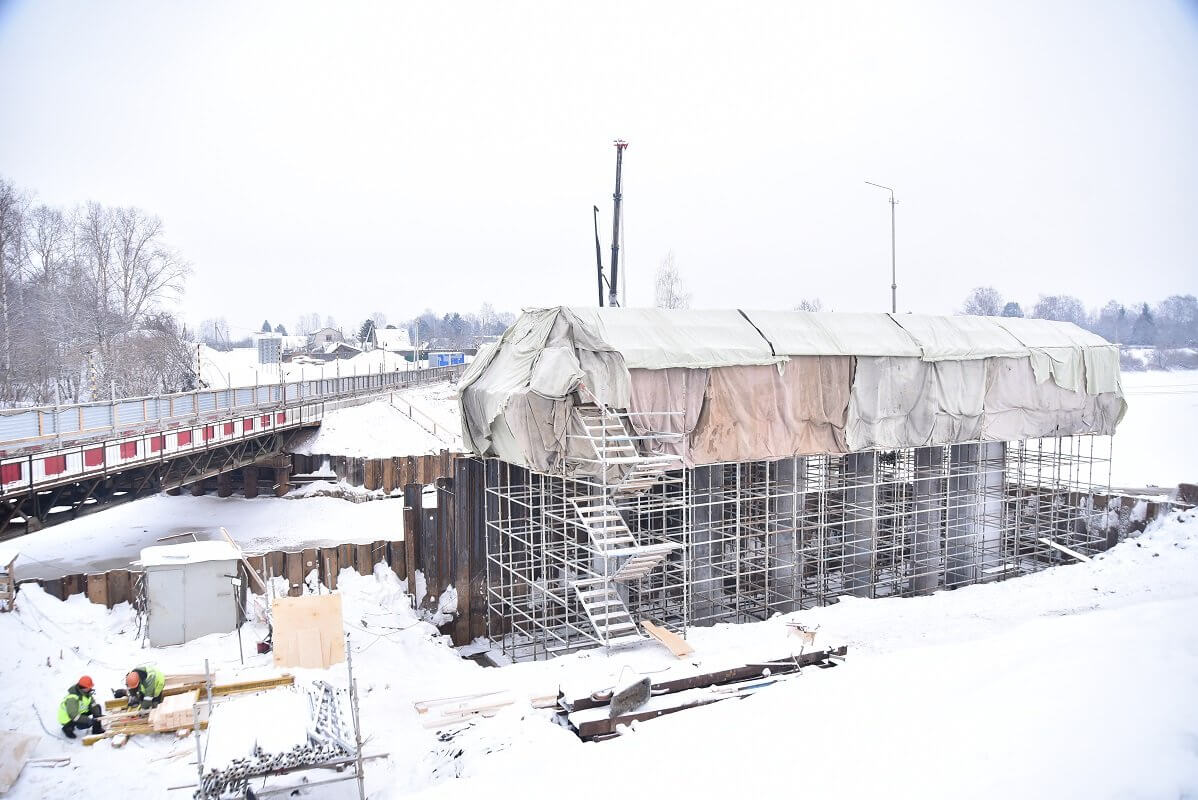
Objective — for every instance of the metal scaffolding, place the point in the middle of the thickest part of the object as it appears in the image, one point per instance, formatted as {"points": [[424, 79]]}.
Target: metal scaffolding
{"points": [[581, 559]]}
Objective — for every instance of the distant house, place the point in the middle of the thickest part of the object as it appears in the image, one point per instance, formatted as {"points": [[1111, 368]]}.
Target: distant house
{"points": [[317, 340], [334, 350], [392, 340]]}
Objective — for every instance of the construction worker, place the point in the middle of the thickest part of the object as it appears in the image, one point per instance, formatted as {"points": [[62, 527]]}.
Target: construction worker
{"points": [[144, 686], [80, 709]]}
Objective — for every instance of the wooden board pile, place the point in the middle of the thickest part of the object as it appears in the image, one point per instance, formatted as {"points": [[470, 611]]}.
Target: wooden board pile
{"points": [[175, 713]]}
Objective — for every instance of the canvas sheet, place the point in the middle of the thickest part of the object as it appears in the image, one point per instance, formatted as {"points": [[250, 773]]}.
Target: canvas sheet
{"points": [[667, 401], [757, 413], [906, 402], [799, 333], [653, 338], [1019, 406]]}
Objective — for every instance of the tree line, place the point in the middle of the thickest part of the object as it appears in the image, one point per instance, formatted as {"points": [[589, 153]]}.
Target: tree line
{"points": [[454, 330], [82, 291], [1170, 324]]}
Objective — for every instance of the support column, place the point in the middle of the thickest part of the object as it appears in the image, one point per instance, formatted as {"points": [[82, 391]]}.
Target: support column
{"points": [[224, 484], [249, 477], [929, 518], [860, 527], [197, 488]]}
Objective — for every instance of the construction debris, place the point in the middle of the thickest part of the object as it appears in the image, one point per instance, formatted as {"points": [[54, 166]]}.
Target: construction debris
{"points": [[330, 743], [594, 716]]}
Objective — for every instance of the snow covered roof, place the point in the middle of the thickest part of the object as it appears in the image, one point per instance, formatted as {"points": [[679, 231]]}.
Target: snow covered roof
{"points": [[392, 339], [188, 553]]}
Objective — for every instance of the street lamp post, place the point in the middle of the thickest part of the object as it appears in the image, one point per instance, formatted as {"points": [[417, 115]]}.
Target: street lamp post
{"points": [[893, 281]]}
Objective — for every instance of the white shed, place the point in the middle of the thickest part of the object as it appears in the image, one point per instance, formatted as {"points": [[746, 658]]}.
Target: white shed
{"points": [[190, 590]]}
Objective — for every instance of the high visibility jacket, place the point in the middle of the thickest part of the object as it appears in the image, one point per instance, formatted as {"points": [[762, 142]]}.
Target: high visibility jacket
{"points": [[153, 683], [75, 704]]}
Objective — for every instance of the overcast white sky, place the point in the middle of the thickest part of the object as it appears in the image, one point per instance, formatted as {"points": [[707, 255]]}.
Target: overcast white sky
{"points": [[346, 157]]}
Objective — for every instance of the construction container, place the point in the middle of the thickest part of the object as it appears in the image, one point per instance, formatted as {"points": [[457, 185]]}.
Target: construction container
{"points": [[192, 590]]}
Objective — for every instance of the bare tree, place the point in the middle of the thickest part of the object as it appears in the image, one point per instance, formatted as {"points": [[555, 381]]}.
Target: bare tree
{"points": [[1060, 307], [668, 290], [12, 255], [145, 270], [983, 301], [813, 304], [379, 319], [307, 324]]}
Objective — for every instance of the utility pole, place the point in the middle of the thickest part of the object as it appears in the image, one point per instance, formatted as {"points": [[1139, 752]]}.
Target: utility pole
{"points": [[893, 280], [612, 297], [598, 254]]}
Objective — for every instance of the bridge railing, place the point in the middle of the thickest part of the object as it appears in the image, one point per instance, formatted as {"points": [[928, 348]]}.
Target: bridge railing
{"points": [[23, 427]]}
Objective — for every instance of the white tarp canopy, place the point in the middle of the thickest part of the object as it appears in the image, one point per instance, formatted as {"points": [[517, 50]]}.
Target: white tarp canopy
{"points": [[908, 381], [807, 333], [653, 338]]}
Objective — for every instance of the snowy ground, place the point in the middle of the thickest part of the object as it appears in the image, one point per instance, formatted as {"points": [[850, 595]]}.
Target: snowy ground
{"points": [[1157, 442], [112, 538], [415, 421], [1080, 681]]}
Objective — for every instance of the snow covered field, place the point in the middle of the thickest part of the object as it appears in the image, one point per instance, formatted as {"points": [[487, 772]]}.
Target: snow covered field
{"points": [[1080, 681], [1157, 442], [112, 538]]}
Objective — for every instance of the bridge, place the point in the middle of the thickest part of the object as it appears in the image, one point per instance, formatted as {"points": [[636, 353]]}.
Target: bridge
{"points": [[58, 462]]}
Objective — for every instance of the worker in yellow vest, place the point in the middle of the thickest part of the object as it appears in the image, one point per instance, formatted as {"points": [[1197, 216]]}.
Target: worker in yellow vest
{"points": [[80, 709], [144, 686]]}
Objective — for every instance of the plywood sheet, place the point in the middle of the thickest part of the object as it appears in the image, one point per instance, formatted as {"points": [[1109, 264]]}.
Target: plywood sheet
{"points": [[676, 643], [308, 631]]}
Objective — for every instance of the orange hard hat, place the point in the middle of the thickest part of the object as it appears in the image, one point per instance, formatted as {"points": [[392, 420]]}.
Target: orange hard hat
{"points": [[86, 682], [132, 679]]}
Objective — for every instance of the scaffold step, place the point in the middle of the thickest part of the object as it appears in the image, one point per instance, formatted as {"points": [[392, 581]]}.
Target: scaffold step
{"points": [[608, 614]]}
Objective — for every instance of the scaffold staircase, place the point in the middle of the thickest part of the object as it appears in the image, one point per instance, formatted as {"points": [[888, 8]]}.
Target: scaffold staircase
{"points": [[612, 538], [607, 613], [613, 445]]}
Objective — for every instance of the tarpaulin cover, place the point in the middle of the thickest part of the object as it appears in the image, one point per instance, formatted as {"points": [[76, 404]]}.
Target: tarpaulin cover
{"points": [[735, 386], [806, 333], [758, 413], [652, 338], [667, 401]]}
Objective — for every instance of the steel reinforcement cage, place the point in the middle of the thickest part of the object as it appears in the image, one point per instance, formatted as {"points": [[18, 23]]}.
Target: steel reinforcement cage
{"points": [[751, 539]]}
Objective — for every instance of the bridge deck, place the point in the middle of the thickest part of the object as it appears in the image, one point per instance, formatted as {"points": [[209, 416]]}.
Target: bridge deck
{"points": [[41, 448]]}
